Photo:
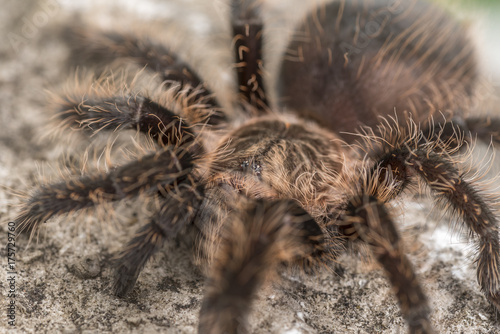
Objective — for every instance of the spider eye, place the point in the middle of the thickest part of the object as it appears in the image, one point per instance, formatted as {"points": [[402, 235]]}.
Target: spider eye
{"points": [[257, 169], [244, 165], [254, 167]]}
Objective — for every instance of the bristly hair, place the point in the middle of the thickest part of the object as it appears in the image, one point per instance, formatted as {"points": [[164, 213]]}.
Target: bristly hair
{"points": [[371, 102], [124, 102]]}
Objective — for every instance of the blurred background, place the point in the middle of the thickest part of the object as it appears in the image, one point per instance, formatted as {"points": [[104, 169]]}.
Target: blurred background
{"points": [[485, 16]]}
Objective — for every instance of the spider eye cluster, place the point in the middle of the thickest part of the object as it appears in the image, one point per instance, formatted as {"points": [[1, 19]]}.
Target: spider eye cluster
{"points": [[255, 167]]}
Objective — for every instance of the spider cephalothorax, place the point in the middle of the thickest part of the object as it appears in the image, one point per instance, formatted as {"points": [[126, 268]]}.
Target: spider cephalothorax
{"points": [[287, 183]]}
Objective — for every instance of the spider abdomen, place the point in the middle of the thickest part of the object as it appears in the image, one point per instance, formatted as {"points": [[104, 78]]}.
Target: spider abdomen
{"points": [[351, 62]]}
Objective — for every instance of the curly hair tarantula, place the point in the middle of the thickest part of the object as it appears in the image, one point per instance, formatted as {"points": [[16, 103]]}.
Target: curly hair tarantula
{"points": [[290, 182]]}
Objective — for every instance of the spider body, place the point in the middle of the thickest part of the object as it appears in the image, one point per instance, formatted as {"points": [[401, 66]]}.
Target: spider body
{"points": [[350, 63], [281, 185]]}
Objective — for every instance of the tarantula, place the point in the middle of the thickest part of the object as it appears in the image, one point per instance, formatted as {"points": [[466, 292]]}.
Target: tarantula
{"points": [[290, 182]]}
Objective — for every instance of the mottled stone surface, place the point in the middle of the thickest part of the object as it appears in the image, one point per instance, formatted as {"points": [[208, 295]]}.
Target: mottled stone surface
{"points": [[64, 279]]}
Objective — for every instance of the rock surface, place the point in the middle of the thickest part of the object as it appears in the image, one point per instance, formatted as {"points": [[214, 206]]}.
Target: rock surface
{"points": [[63, 281]]}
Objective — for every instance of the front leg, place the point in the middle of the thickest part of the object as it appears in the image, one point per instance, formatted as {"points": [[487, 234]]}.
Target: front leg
{"points": [[149, 174], [263, 236], [374, 225], [175, 213]]}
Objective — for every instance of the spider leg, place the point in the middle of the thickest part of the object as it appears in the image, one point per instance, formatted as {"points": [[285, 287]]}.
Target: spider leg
{"points": [[247, 39], [266, 235], [429, 156], [149, 174], [175, 213], [486, 128], [436, 167], [462, 130], [97, 46], [468, 203], [109, 112], [367, 214]]}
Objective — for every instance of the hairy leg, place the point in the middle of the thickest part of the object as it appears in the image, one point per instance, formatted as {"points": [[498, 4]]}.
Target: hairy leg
{"points": [[266, 235], [405, 156], [374, 225], [486, 128], [471, 206], [149, 174], [247, 39], [175, 214], [103, 47], [465, 130], [105, 110], [406, 153]]}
